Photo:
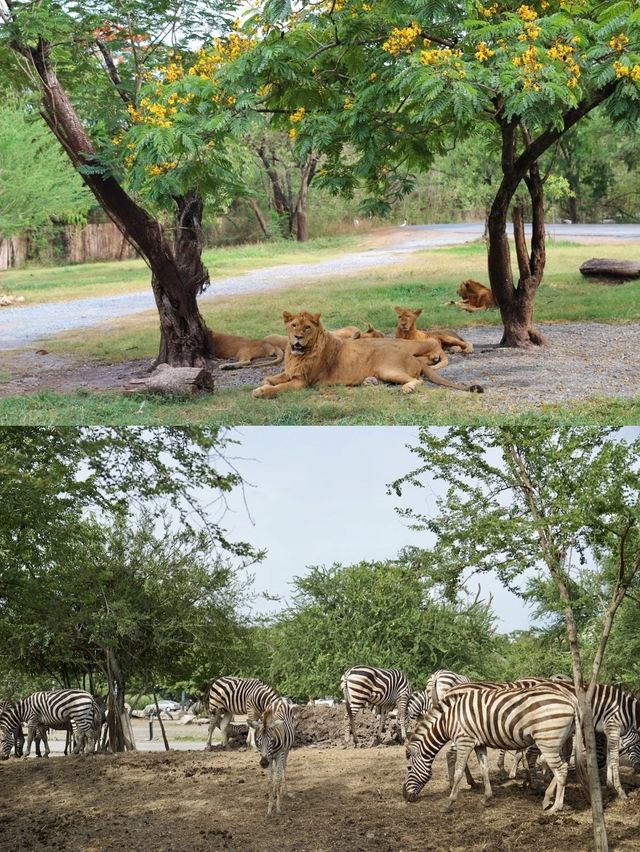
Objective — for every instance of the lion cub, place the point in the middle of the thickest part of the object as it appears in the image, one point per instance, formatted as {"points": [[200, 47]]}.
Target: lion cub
{"points": [[474, 296]]}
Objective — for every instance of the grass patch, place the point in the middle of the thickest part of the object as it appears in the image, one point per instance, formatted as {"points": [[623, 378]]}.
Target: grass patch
{"points": [[60, 283], [326, 407]]}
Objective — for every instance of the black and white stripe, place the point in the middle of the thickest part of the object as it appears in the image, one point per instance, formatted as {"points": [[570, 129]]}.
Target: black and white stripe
{"points": [[274, 736], [477, 716], [41, 710], [383, 689], [229, 696]]}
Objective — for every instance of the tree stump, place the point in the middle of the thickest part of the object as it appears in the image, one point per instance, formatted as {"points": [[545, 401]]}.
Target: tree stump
{"points": [[173, 380], [602, 267]]}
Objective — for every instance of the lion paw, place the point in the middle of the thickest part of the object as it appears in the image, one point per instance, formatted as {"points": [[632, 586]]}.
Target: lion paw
{"points": [[263, 392], [371, 380]]}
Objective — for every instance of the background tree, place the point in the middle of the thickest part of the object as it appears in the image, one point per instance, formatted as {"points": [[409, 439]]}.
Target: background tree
{"points": [[379, 613], [101, 77], [37, 184], [542, 501], [85, 561], [386, 86]]}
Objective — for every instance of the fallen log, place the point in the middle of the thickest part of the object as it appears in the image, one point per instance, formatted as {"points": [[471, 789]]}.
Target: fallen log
{"points": [[173, 380], [602, 267]]}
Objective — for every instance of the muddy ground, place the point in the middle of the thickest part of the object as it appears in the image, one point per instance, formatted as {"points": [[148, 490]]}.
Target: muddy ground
{"points": [[341, 799]]}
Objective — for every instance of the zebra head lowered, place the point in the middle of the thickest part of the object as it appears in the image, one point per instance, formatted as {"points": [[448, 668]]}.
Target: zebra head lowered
{"points": [[423, 745], [274, 732]]}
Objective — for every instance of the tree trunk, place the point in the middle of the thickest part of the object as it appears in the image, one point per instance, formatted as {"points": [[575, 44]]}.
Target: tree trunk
{"points": [[160, 722], [178, 276], [516, 304], [262, 221], [115, 703]]}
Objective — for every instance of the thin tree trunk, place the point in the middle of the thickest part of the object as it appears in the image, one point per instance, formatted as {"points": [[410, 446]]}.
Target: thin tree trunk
{"points": [[262, 221], [160, 722], [115, 702]]}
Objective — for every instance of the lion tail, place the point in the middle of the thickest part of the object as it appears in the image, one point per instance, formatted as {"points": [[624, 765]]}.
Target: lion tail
{"points": [[431, 375]]}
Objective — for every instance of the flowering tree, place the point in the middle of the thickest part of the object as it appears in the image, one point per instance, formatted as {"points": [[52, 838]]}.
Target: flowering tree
{"points": [[388, 84], [104, 77]]}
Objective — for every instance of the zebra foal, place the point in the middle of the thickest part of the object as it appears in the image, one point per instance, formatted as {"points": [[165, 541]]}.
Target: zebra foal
{"points": [[475, 716], [274, 735], [236, 695], [383, 689]]}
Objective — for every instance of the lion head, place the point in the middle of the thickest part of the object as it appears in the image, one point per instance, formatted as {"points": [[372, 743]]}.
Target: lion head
{"points": [[407, 318], [303, 330]]}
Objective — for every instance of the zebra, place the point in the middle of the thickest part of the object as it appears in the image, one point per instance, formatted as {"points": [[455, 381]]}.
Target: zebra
{"points": [[440, 682], [384, 689], [229, 695], [274, 735], [479, 716], [42, 710]]}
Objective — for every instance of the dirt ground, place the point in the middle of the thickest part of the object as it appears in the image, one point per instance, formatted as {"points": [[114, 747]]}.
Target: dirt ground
{"points": [[583, 360], [341, 799]]}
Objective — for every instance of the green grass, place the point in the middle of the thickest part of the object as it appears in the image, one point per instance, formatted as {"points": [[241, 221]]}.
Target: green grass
{"points": [[60, 283], [427, 279], [334, 406]]}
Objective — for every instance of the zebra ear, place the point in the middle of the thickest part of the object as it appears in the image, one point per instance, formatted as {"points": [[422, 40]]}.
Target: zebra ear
{"points": [[253, 723], [278, 723], [412, 749]]}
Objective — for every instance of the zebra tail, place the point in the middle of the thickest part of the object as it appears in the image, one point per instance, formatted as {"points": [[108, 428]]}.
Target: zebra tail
{"points": [[434, 693], [581, 765]]}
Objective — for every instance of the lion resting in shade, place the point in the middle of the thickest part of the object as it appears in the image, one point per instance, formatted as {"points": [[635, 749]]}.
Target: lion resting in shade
{"points": [[248, 352], [407, 330], [474, 296], [316, 356]]}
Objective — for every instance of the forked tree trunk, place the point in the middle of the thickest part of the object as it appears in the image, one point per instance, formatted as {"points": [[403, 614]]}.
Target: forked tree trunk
{"points": [[178, 275]]}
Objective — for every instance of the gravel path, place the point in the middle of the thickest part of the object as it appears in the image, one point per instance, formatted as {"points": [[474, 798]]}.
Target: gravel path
{"points": [[582, 360]]}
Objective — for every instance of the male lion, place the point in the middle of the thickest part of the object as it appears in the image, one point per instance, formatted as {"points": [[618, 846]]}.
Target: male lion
{"points": [[246, 350], [316, 356], [474, 296]]}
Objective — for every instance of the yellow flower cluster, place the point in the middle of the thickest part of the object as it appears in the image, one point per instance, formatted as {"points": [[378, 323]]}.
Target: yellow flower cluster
{"points": [[297, 116], [117, 139], [348, 103], [526, 13], [224, 50], [483, 52], [172, 72], [153, 114], [565, 53], [161, 169], [632, 72], [366, 7], [402, 40], [293, 133], [531, 32], [438, 55], [618, 42], [489, 11]]}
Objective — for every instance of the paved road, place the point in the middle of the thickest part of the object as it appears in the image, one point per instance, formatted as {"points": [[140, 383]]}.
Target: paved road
{"points": [[23, 325]]}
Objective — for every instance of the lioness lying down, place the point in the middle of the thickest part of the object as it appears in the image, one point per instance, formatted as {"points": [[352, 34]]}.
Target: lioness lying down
{"points": [[316, 356], [474, 296], [246, 350]]}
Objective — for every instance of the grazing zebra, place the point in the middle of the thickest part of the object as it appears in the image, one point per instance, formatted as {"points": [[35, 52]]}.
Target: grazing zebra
{"points": [[43, 710], [476, 716], [384, 689], [274, 734], [236, 695], [630, 745]]}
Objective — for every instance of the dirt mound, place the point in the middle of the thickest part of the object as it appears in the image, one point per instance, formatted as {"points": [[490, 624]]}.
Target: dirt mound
{"points": [[322, 725]]}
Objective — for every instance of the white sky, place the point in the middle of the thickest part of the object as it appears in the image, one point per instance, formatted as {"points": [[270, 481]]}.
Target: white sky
{"points": [[319, 495]]}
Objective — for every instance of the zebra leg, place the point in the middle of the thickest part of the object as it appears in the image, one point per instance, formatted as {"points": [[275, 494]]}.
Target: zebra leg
{"points": [[382, 717], [402, 717], [559, 768], [531, 757], [613, 760], [271, 788], [517, 757], [451, 762], [224, 724], [31, 732], [463, 749], [279, 770], [41, 734], [501, 771], [481, 754], [349, 724], [213, 724]]}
